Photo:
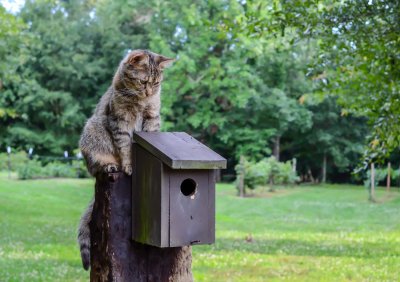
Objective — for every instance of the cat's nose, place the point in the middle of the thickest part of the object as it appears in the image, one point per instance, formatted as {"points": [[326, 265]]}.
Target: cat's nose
{"points": [[148, 90]]}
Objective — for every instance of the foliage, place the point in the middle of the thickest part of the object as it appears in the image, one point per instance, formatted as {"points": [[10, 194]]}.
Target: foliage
{"points": [[80, 169], [240, 94], [269, 169], [283, 173], [335, 135], [357, 55], [17, 160], [33, 169], [380, 176], [30, 170], [312, 233], [366, 65], [75, 169], [11, 39], [255, 173], [36, 168]]}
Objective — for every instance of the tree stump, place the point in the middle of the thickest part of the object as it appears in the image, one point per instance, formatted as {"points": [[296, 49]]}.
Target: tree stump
{"points": [[114, 256]]}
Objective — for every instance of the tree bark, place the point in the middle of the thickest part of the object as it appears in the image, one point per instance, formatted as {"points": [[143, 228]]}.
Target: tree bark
{"points": [[114, 256], [388, 178], [309, 173], [324, 169], [9, 166], [398, 179], [241, 175], [271, 184], [294, 165], [276, 150], [372, 188]]}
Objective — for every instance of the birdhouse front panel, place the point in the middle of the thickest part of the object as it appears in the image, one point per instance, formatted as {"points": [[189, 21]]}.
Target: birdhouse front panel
{"points": [[192, 207]]}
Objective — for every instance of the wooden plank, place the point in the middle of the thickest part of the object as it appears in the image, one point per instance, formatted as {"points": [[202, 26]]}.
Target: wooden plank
{"points": [[191, 216], [179, 150], [149, 214], [211, 206]]}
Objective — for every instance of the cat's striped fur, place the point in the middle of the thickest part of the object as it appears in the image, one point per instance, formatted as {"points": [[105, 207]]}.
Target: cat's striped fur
{"points": [[132, 103]]}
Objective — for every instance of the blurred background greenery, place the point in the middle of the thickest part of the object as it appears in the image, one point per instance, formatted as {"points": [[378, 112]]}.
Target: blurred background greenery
{"points": [[311, 80]]}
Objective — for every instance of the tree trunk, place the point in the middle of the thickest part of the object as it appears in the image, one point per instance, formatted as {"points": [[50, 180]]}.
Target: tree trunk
{"points": [[277, 149], [372, 188], [294, 165], [271, 184], [324, 169], [398, 179], [311, 177], [9, 166], [241, 175], [388, 178], [114, 256]]}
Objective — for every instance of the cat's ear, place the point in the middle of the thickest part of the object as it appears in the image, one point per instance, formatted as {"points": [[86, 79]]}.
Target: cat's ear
{"points": [[164, 62], [138, 59]]}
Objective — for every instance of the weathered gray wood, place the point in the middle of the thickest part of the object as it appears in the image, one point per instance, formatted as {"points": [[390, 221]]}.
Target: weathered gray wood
{"points": [[211, 206], [150, 214], [179, 150], [162, 215], [192, 217], [114, 256]]}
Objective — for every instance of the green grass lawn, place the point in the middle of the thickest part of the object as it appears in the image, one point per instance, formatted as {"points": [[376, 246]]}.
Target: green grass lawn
{"points": [[325, 233]]}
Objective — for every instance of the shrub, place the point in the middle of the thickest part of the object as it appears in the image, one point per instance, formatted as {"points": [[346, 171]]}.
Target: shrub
{"points": [[266, 171], [34, 169], [17, 160], [31, 169], [80, 168], [58, 169], [286, 175], [256, 174], [380, 175]]}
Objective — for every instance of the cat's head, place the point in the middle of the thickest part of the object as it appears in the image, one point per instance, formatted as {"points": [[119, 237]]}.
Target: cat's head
{"points": [[141, 73]]}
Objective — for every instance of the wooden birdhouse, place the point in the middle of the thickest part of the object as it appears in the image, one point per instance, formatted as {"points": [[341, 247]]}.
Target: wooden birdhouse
{"points": [[173, 189]]}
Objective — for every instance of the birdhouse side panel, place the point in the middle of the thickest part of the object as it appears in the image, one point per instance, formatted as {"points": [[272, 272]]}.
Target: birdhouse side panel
{"points": [[211, 206], [149, 212]]}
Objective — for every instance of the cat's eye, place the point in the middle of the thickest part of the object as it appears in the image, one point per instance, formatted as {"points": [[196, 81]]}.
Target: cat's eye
{"points": [[142, 81]]}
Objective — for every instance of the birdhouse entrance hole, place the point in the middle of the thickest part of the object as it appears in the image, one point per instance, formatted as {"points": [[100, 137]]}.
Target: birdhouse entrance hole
{"points": [[188, 187]]}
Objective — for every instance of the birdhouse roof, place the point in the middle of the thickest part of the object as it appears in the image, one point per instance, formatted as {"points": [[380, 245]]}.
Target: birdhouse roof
{"points": [[179, 150]]}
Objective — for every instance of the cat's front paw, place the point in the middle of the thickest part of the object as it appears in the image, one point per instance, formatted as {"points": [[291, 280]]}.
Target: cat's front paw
{"points": [[127, 169], [109, 168]]}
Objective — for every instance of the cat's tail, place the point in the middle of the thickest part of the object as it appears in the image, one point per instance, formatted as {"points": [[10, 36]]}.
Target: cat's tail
{"points": [[84, 235]]}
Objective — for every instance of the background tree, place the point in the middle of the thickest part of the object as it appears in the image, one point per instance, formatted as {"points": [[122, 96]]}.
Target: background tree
{"points": [[239, 93], [358, 46], [281, 70], [333, 145], [11, 36]]}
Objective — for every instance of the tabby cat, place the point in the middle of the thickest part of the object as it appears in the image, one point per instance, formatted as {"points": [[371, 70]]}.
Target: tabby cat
{"points": [[132, 103]]}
